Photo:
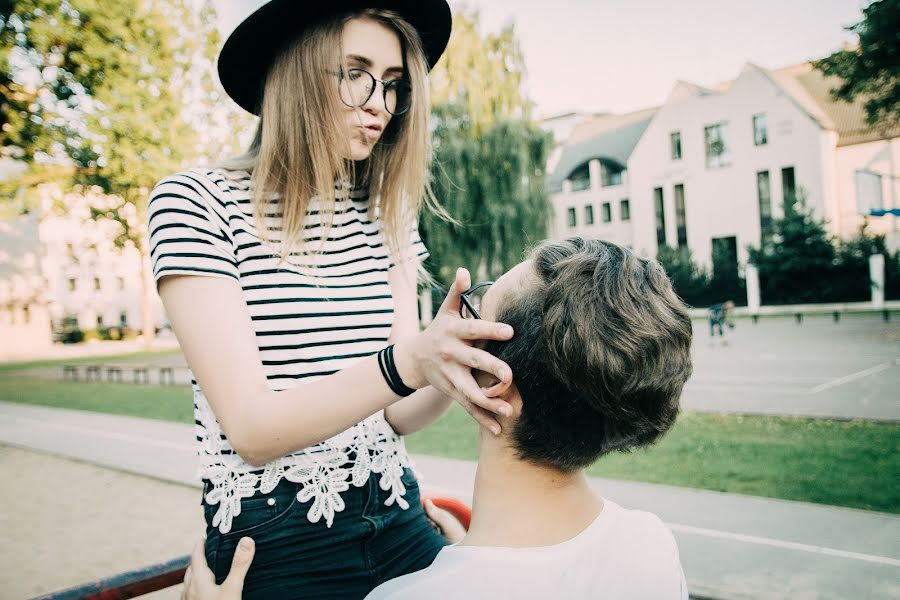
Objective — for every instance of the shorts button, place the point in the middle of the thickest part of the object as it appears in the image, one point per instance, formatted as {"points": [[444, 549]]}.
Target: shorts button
{"points": [[271, 502]]}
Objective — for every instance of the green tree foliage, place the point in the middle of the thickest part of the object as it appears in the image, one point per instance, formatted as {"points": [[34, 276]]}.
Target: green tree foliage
{"points": [[690, 281], [493, 185], [483, 74], [490, 158], [99, 87], [852, 279], [871, 70], [797, 262]]}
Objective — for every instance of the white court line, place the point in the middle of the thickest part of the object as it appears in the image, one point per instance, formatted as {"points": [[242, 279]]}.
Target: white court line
{"points": [[754, 539], [851, 377], [724, 535], [122, 437]]}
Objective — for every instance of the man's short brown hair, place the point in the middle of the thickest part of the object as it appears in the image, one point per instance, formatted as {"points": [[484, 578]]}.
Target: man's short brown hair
{"points": [[601, 352]]}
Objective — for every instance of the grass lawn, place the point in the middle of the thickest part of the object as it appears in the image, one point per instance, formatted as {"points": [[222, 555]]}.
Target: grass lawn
{"points": [[844, 463]]}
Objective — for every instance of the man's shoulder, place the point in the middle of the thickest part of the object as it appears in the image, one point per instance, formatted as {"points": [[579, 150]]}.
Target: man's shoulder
{"points": [[431, 582]]}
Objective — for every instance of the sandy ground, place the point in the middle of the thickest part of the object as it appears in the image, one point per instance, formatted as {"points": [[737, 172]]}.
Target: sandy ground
{"points": [[66, 523]]}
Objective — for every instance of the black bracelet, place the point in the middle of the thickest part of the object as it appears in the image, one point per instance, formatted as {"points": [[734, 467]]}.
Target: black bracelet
{"points": [[389, 371]]}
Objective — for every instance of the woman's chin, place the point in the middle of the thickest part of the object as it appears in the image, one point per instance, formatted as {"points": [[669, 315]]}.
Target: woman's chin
{"points": [[359, 150]]}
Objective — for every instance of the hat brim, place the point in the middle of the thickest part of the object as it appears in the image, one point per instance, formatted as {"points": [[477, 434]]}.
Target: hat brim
{"points": [[252, 47]]}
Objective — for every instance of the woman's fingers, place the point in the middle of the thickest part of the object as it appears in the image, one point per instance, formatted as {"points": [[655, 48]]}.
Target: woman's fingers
{"points": [[475, 358], [462, 282], [482, 417], [479, 329]]}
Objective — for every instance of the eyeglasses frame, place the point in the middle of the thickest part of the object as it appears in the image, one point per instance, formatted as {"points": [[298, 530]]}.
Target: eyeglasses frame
{"points": [[384, 83], [466, 303]]}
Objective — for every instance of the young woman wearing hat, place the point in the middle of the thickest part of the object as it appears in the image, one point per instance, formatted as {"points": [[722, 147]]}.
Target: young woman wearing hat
{"points": [[289, 276]]}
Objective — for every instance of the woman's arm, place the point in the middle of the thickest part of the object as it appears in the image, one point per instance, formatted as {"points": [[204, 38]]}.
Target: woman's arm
{"points": [[214, 329], [423, 408]]}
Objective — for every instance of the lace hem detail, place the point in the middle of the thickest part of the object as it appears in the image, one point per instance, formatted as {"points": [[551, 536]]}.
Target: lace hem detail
{"points": [[322, 470]]}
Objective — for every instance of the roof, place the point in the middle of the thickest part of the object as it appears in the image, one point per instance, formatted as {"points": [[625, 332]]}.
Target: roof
{"points": [[608, 137], [848, 119]]}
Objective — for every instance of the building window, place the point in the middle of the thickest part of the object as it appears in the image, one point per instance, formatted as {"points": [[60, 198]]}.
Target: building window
{"points": [[680, 216], [764, 193], [716, 144], [660, 216], [725, 258], [97, 283], [610, 175], [99, 321], [589, 214], [624, 210], [581, 178], [573, 218], [675, 144], [606, 212], [120, 282], [26, 314], [72, 284], [760, 132], [788, 187], [868, 192], [123, 319]]}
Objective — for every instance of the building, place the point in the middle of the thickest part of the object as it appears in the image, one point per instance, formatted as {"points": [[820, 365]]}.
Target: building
{"points": [[24, 314], [89, 279], [714, 166]]}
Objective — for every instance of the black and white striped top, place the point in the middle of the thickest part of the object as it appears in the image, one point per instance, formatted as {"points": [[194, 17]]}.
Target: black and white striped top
{"points": [[313, 314]]}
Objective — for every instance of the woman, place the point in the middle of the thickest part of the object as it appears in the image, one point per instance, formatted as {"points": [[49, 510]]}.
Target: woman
{"points": [[289, 276]]}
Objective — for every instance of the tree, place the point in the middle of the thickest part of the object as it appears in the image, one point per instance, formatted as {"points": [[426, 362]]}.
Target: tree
{"points": [[852, 279], [690, 281], [489, 160], [96, 86], [493, 185], [796, 263], [872, 69]]}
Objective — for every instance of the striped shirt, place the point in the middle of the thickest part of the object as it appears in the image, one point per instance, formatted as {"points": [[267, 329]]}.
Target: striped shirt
{"points": [[313, 314]]}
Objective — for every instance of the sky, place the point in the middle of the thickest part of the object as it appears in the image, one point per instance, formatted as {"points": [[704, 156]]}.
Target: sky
{"points": [[624, 55]]}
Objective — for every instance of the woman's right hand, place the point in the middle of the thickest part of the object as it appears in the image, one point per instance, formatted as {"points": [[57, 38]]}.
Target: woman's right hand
{"points": [[443, 356]]}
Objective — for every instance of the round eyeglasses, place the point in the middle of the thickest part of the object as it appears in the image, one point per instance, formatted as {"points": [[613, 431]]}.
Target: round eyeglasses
{"points": [[470, 300], [358, 85]]}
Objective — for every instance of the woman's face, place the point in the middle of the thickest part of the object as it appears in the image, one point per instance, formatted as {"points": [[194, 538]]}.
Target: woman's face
{"points": [[369, 45]]}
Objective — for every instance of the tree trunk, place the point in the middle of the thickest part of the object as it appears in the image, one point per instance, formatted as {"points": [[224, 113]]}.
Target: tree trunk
{"points": [[149, 329]]}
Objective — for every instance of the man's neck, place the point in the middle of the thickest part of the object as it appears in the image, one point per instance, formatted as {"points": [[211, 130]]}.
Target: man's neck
{"points": [[519, 504]]}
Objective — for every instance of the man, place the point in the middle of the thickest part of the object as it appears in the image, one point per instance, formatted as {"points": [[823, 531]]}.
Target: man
{"points": [[600, 355]]}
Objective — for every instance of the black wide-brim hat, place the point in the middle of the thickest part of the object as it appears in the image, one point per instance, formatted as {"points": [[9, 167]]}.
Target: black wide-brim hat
{"points": [[252, 47]]}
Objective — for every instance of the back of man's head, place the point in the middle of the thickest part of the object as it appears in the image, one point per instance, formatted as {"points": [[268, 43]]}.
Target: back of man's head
{"points": [[600, 356]]}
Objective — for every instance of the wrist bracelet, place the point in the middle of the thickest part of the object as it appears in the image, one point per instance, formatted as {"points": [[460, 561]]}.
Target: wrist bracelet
{"points": [[389, 371]]}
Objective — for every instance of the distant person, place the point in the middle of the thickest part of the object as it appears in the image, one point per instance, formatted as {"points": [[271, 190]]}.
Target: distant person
{"points": [[601, 352], [719, 318]]}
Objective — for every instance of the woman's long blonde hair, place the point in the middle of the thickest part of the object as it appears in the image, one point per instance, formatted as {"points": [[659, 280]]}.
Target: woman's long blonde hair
{"points": [[299, 150]]}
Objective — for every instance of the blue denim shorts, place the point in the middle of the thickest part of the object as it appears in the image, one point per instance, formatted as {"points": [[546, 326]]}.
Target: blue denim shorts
{"points": [[367, 544]]}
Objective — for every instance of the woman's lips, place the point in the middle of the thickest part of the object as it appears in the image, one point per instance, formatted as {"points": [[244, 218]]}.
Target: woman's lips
{"points": [[372, 133]]}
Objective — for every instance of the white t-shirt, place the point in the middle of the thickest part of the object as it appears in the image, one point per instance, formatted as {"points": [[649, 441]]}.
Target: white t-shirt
{"points": [[623, 554]]}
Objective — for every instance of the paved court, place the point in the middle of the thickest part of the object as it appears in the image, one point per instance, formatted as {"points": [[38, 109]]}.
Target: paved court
{"points": [[733, 547], [849, 369]]}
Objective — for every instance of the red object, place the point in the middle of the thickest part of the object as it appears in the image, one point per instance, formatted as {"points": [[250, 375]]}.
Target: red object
{"points": [[458, 509], [168, 574]]}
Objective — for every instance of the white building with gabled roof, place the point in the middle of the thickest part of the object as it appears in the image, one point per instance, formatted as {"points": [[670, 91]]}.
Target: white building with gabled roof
{"points": [[714, 165]]}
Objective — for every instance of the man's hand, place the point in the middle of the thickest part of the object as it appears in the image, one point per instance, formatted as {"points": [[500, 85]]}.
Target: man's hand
{"points": [[200, 583], [446, 523]]}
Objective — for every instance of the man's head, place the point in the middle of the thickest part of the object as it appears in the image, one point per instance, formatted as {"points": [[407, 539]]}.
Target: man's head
{"points": [[600, 355]]}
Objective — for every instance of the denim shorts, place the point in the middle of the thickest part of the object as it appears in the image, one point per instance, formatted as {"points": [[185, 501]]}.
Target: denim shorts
{"points": [[367, 544]]}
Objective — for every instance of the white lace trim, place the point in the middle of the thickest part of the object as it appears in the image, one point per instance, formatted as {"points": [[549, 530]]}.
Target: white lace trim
{"points": [[321, 469]]}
